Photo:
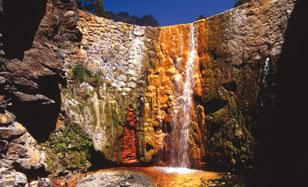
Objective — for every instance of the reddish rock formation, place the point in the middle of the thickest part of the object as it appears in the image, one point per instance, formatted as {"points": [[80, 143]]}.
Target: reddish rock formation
{"points": [[129, 149]]}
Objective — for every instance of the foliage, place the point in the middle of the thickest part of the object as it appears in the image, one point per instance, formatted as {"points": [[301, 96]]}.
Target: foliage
{"points": [[96, 7], [147, 20], [93, 6], [67, 149], [240, 2], [201, 17], [82, 74]]}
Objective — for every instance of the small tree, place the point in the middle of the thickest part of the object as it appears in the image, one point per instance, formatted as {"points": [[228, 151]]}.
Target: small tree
{"points": [[201, 17], [93, 6], [240, 2]]}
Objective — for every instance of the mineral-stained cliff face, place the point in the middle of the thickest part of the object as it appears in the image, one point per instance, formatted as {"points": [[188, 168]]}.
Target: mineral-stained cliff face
{"points": [[238, 52], [111, 65]]}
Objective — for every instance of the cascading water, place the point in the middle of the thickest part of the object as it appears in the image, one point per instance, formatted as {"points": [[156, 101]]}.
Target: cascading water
{"points": [[179, 155], [266, 71]]}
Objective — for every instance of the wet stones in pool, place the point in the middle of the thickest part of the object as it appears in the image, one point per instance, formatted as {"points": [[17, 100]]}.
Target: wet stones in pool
{"points": [[116, 179]]}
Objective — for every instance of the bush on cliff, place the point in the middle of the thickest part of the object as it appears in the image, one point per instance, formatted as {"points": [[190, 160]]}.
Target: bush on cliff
{"points": [[68, 150], [240, 2]]}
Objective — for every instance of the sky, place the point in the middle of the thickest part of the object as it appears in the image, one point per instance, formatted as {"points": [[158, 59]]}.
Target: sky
{"points": [[169, 12]]}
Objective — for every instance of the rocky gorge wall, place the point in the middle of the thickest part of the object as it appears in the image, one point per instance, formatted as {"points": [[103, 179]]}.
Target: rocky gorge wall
{"points": [[145, 67], [76, 69], [31, 75]]}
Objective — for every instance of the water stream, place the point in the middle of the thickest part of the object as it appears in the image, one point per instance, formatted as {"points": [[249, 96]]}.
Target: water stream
{"points": [[182, 114]]}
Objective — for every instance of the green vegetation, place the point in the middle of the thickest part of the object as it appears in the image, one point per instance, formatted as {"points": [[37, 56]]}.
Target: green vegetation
{"points": [[240, 2], [201, 17], [93, 6], [82, 74], [147, 20], [67, 150], [97, 7]]}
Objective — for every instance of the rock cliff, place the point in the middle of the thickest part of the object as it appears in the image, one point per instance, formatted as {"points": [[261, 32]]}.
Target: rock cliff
{"points": [[32, 70], [238, 52], [31, 74], [76, 69]]}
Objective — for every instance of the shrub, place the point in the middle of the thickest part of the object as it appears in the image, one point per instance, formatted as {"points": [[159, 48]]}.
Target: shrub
{"points": [[68, 150], [240, 2], [81, 73]]}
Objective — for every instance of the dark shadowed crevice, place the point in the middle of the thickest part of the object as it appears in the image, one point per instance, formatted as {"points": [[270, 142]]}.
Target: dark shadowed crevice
{"points": [[148, 147], [39, 116], [281, 159], [230, 86], [21, 20], [214, 105]]}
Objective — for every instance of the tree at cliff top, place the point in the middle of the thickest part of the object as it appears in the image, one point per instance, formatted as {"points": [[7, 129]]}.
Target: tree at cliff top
{"points": [[97, 7], [240, 2], [93, 6], [147, 20]]}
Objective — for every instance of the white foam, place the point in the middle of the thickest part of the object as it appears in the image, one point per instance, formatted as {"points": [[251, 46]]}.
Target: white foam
{"points": [[176, 170]]}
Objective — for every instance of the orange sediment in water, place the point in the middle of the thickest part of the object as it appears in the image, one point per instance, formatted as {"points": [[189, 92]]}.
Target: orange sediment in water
{"points": [[175, 179], [162, 177]]}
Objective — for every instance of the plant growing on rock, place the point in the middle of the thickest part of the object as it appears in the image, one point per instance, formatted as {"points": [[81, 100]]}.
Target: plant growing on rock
{"points": [[82, 74], [67, 150]]}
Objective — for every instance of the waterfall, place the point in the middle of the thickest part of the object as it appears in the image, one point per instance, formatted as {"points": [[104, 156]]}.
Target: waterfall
{"points": [[266, 71], [183, 109]]}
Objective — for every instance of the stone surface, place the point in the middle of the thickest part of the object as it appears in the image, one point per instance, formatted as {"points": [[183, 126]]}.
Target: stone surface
{"points": [[19, 154], [116, 179], [126, 65], [129, 139], [232, 49], [12, 178], [33, 70]]}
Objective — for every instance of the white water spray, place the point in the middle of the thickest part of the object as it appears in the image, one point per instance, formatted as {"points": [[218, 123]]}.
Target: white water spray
{"points": [[266, 71], [184, 104]]}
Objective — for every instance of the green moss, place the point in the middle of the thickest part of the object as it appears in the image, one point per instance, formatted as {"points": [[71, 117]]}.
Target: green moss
{"points": [[82, 74], [67, 150]]}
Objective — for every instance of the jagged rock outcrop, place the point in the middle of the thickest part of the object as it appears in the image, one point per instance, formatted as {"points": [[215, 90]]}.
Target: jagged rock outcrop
{"points": [[31, 71], [20, 158], [32, 35]]}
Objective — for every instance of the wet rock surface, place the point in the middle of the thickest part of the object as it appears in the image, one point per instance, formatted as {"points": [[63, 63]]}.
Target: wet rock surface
{"points": [[146, 68], [129, 145], [116, 179]]}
